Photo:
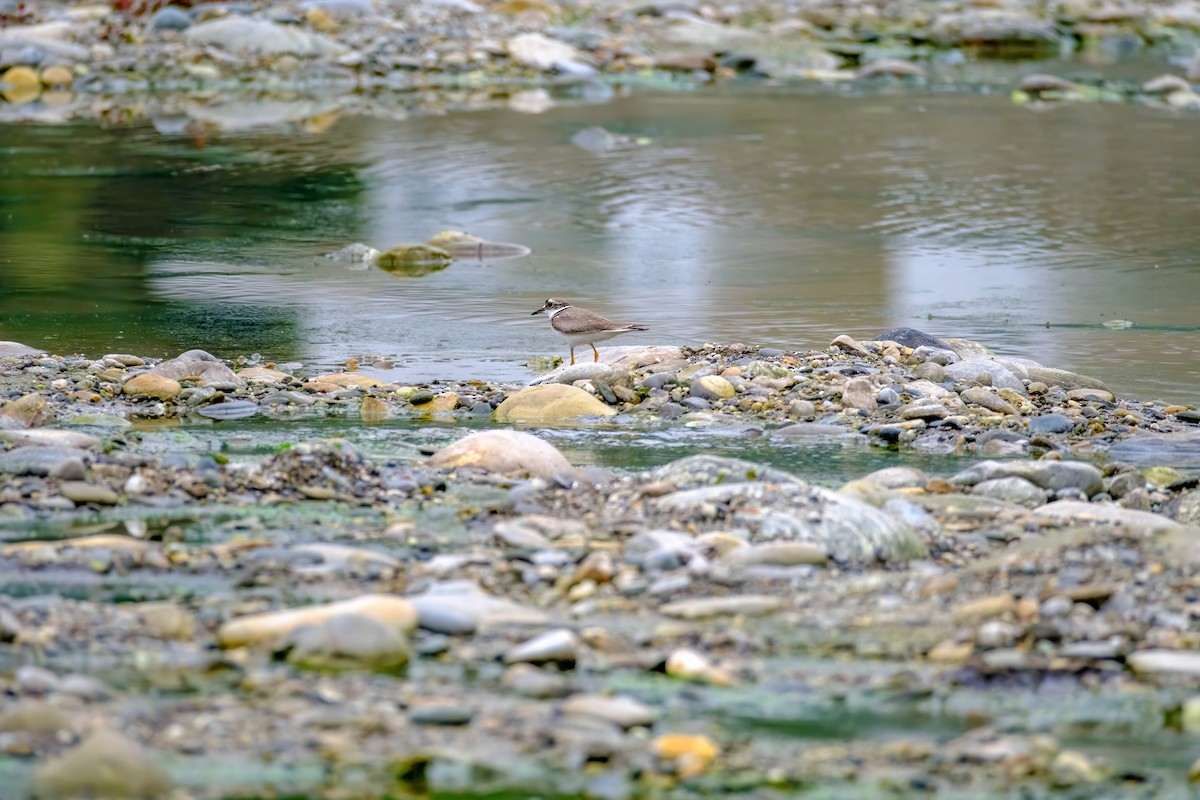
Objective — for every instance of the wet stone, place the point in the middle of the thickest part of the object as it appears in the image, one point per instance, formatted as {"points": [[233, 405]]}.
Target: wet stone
{"points": [[530, 681], [32, 679], [35, 717], [623, 711], [346, 641], [440, 714], [81, 492], [231, 409], [705, 608], [911, 337], [559, 647], [1051, 423], [106, 764], [37, 459], [170, 18], [1012, 490]]}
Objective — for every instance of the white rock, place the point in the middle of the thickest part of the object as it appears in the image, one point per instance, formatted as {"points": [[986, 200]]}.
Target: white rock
{"points": [[259, 36], [540, 52]]}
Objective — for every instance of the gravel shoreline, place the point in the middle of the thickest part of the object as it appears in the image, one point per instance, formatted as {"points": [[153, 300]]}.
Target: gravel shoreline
{"points": [[62, 60], [488, 617]]}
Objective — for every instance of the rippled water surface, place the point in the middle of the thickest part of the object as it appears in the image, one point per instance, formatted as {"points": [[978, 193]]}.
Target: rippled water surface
{"points": [[757, 215]]}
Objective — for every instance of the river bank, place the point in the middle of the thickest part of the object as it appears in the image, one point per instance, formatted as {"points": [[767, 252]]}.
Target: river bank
{"points": [[130, 61], [711, 625]]}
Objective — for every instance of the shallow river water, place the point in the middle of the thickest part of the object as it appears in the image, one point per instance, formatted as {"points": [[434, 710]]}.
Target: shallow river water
{"points": [[754, 214]]}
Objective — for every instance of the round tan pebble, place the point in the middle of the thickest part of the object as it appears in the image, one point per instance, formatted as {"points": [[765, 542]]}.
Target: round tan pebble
{"points": [[57, 75], [157, 386], [18, 77]]}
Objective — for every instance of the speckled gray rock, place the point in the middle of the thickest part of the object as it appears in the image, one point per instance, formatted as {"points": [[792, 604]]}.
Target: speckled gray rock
{"points": [[197, 363], [1185, 509], [1061, 377], [1012, 490], [795, 511], [37, 460], [985, 371], [445, 607], [249, 36], [1051, 423], [346, 641], [987, 398], [1180, 450], [897, 477], [1106, 513], [911, 337], [1047, 473], [705, 470]]}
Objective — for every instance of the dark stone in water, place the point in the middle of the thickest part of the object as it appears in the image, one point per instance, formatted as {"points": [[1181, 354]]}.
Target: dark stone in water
{"points": [[234, 409], [911, 337], [441, 715], [1051, 423]]}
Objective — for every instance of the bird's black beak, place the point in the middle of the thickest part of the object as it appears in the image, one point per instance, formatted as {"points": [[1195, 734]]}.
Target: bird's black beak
{"points": [[534, 314]]}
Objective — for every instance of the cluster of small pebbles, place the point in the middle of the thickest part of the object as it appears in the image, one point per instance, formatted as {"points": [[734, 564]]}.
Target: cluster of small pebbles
{"points": [[65, 58], [490, 618]]}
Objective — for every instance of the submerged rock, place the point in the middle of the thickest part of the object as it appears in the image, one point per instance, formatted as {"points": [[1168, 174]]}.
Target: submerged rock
{"points": [[460, 245], [413, 260]]}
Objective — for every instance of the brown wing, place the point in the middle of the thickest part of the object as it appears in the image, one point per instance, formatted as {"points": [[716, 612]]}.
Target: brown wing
{"points": [[580, 320]]}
